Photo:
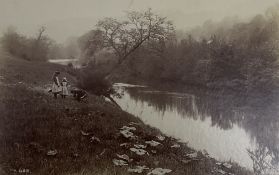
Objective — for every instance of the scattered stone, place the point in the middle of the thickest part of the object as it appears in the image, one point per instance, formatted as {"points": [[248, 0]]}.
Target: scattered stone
{"points": [[161, 138], [127, 134], [159, 171], [192, 155], [218, 163], [154, 151], [227, 165], [85, 133], [152, 143], [95, 139], [52, 152], [128, 128], [175, 146], [118, 162], [139, 146], [124, 157], [139, 152], [138, 169]]}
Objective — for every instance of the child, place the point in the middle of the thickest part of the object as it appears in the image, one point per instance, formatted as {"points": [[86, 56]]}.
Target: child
{"points": [[56, 85], [64, 85], [79, 94]]}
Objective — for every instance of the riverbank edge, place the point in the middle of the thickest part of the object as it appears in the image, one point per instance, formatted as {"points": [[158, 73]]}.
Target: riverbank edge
{"points": [[45, 119]]}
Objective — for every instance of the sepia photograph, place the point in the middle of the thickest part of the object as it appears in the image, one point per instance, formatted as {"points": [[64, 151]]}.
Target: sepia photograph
{"points": [[139, 87]]}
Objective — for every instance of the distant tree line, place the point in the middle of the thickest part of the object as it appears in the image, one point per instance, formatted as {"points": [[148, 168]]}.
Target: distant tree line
{"points": [[37, 48], [241, 55]]}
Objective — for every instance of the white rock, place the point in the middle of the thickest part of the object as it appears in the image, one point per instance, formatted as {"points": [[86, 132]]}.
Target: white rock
{"points": [[124, 157], [118, 162], [52, 152], [154, 151], [124, 144], [138, 151], [140, 146], [175, 146], [227, 165], [127, 134], [128, 128], [138, 169], [192, 155], [159, 171], [152, 143], [95, 139], [161, 138], [85, 133]]}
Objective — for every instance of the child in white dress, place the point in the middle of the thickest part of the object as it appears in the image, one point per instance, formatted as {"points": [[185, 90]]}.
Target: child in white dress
{"points": [[56, 85], [65, 90]]}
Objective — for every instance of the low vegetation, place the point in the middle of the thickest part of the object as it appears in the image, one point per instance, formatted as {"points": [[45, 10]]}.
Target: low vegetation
{"points": [[41, 135]]}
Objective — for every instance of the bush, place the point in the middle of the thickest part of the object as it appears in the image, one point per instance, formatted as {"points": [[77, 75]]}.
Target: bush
{"points": [[28, 48], [95, 82]]}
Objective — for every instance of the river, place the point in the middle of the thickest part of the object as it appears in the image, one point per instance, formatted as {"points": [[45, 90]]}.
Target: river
{"points": [[228, 127], [65, 62]]}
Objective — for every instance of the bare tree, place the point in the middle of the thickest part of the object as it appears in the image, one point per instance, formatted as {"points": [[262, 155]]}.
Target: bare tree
{"points": [[125, 37], [40, 33]]}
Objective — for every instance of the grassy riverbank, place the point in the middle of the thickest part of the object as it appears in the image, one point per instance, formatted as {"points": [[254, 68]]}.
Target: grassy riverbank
{"points": [[41, 135]]}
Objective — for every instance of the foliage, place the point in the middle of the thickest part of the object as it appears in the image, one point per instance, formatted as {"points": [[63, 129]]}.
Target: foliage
{"points": [[125, 37], [38, 48], [33, 49], [95, 82], [243, 57]]}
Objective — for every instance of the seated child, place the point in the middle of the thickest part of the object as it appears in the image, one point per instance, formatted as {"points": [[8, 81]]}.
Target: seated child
{"points": [[79, 94]]}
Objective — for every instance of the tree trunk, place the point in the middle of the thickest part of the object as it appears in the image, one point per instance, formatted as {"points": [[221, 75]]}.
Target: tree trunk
{"points": [[112, 100]]}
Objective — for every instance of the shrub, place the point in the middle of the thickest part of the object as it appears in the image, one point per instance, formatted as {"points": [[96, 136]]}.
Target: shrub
{"points": [[95, 82]]}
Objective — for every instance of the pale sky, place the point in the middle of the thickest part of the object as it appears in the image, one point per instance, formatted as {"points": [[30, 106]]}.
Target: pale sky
{"points": [[66, 18]]}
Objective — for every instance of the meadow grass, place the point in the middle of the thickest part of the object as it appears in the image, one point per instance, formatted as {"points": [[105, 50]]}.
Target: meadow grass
{"points": [[32, 123]]}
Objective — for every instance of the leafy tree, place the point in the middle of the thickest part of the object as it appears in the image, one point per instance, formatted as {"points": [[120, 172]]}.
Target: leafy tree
{"points": [[125, 37]]}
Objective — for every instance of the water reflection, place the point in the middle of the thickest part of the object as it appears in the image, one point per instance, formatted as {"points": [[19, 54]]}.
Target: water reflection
{"points": [[224, 125]]}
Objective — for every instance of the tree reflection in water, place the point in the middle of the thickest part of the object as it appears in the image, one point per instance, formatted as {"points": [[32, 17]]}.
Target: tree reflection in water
{"points": [[257, 115]]}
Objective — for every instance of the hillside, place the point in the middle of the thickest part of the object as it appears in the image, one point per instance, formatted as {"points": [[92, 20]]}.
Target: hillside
{"points": [[41, 135]]}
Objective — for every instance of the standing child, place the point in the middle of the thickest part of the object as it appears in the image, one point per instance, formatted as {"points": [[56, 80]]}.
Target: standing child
{"points": [[56, 85], [65, 91]]}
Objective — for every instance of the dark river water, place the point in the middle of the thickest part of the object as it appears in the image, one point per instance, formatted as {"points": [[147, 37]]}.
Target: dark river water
{"points": [[234, 128]]}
